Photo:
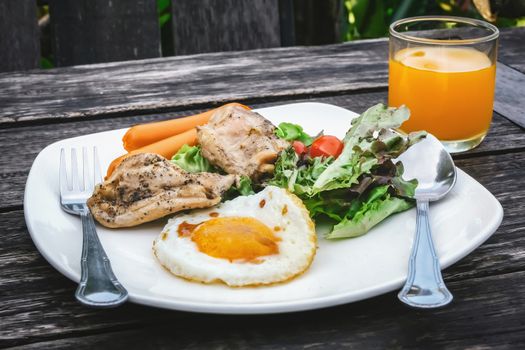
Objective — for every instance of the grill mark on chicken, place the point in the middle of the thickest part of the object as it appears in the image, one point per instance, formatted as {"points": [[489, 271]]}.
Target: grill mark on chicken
{"points": [[145, 187], [241, 142]]}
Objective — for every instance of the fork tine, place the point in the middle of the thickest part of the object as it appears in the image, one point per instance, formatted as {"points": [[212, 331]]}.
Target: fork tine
{"points": [[75, 182], [86, 179], [97, 175], [64, 187]]}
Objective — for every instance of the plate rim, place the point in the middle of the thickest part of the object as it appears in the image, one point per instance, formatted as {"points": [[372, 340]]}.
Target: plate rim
{"points": [[266, 307]]}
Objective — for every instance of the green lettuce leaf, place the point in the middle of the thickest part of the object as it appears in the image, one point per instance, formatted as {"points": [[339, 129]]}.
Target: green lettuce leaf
{"points": [[293, 132], [335, 206], [374, 119], [298, 178], [244, 186], [286, 170], [379, 205], [403, 188], [361, 146], [190, 159]]}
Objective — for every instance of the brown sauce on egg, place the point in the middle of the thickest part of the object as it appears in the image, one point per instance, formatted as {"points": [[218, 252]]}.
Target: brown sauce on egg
{"points": [[186, 229]]}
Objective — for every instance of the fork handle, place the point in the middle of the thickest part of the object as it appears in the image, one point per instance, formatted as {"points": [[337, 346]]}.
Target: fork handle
{"points": [[98, 285], [424, 287]]}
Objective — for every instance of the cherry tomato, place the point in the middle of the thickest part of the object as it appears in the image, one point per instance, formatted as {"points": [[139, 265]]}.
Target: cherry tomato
{"points": [[326, 146], [299, 147]]}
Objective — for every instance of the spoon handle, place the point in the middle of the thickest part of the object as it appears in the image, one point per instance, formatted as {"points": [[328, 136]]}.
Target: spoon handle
{"points": [[424, 287]]}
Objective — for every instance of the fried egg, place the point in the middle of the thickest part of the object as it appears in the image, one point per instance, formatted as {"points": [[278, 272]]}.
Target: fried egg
{"points": [[258, 239]]}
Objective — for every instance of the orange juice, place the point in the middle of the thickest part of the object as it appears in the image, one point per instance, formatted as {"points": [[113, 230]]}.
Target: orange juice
{"points": [[449, 90]]}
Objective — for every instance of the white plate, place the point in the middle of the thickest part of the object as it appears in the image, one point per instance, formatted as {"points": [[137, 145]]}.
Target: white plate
{"points": [[343, 271]]}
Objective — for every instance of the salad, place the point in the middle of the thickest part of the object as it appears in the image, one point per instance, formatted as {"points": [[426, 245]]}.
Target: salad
{"points": [[353, 183]]}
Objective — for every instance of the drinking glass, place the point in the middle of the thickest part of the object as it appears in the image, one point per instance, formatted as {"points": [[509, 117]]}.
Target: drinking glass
{"points": [[443, 69]]}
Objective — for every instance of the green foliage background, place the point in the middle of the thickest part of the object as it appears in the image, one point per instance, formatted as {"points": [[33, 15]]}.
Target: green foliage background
{"points": [[359, 19], [371, 18]]}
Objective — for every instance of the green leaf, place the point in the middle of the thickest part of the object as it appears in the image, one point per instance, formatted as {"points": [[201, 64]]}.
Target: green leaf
{"points": [[404, 9], [244, 186], [336, 206], [45, 63], [375, 118], [298, 179], [403, 187], [375, 25], [162, 5], [286, 170], [190, 159], [293, 132], [358, 155], [370, 214], [308, 173], [376, 193], [163, 19], [357, 10]]}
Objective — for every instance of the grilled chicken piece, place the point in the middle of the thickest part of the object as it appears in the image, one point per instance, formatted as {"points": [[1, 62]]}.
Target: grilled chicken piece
{"points": [[145, 187], [240, 142]]}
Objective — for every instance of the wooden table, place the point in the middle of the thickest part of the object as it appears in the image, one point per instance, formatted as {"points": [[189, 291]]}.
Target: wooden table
{"points": [[37, 306]]}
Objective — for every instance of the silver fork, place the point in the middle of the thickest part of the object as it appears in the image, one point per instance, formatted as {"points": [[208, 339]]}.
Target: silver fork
{"points": [[98, 286]]}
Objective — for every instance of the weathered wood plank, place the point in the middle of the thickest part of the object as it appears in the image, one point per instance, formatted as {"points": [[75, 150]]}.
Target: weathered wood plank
{"points": [[154, 85], [19, 35], [503, 136], [500, 174], [318, 22], [224, 25], [91, 31], [192, 81], [510, 94], [287, 22], [388, 330], [512, 48]]}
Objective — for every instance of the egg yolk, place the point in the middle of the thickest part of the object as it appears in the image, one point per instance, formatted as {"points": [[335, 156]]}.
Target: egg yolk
{"points": [[235, 238]]}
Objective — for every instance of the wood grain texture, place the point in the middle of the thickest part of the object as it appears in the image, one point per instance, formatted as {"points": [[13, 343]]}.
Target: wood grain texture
{"points": [[319, 22], [19, 35], [91, 31], [287, 22], [510, 94], [511, 49], [374, 324], [162, 85], [224, 25]]}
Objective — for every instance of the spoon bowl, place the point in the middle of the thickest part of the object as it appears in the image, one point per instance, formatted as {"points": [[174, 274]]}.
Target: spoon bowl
{"points": [[432, 166]]}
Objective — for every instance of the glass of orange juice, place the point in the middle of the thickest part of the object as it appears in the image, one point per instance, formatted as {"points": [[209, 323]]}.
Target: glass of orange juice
{"points": [[444, 70]]}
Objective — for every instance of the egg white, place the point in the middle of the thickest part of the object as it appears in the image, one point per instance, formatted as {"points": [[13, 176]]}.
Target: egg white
{"points": [[297, 245]]}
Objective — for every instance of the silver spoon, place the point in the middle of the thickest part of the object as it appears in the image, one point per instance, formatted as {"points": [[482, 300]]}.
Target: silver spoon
{"points": [[432, 166]]}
